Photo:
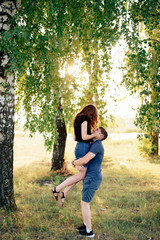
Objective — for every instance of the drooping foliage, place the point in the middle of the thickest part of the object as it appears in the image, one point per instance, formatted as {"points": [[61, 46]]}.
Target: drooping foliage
{"points": [[142, 64], [46, 36]]}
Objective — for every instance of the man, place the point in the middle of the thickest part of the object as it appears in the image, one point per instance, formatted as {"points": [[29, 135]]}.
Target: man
{"points": [[92, 181]]}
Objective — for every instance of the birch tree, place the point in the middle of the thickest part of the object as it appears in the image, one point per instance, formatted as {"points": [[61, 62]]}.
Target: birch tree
{"points": [[141, 31], [48, 34], [7, 10], [69, 28]]}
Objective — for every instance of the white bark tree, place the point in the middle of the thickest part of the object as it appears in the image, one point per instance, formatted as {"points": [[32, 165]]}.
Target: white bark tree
{"points": [[7, 10]]}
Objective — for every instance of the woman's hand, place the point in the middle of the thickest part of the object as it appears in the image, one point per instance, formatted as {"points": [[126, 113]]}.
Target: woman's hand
{"points": [[97, 135]]}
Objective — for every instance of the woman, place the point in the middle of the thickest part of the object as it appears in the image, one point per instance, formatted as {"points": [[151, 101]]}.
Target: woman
{"points": [[84, 122]]}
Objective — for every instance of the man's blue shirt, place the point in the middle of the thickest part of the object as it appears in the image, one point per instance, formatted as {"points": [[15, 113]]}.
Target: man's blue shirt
{"points": [[94, 166]]}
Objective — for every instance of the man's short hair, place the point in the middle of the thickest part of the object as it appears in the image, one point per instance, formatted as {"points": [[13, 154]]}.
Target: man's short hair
{"points": [[104, 132]]}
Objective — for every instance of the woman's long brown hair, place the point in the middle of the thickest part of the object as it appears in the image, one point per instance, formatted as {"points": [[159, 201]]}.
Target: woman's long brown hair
{"points": [[91, 112]]}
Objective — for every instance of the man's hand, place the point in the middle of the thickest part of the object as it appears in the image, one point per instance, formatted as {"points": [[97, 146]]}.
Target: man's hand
{"points": [[80, 168]]}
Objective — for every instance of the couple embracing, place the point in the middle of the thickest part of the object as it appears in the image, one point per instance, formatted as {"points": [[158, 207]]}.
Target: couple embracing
{"points": [[89, 154]]}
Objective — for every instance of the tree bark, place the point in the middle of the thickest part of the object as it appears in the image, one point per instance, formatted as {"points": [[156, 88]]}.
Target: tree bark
{"points": [[59, 147], [7, 200], [154, 147], [154, 96]]}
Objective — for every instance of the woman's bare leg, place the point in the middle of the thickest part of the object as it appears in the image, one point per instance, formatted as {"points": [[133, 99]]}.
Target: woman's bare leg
{"points": [[80, 177], [66, 190], [68, 184], [71, 181]]}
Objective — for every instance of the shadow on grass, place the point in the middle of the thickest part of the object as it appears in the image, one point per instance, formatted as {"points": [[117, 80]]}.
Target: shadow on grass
{"points": [[52, 180], [153, 159]]}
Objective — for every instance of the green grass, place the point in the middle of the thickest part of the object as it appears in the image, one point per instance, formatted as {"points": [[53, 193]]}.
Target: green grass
{"points": [[126, 207]]}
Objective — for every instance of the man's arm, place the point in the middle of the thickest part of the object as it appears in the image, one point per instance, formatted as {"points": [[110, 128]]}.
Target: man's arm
{"points": [[84, 160]]}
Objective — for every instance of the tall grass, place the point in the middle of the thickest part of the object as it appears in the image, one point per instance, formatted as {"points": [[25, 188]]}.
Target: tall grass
{"points": [[126, 207]]}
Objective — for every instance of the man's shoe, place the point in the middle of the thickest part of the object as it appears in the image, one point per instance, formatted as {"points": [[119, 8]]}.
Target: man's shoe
{"points": [[85, 234], [81, 228]]}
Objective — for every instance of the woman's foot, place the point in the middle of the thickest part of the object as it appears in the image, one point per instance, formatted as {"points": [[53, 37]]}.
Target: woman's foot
{"points": [[61, 199], [55, 193]]}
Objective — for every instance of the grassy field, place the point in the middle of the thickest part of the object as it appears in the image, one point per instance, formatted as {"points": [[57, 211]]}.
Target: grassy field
{"points": [[126, 207]]}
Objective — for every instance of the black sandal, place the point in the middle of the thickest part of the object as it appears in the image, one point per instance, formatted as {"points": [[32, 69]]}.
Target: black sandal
{"points": [[62, 199], [54, 191]]}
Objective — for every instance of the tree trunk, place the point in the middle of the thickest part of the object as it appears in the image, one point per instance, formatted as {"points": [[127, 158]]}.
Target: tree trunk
{"points": [[6, 144], [59, 148], [154, 147], [154, 97], [7, 9]]}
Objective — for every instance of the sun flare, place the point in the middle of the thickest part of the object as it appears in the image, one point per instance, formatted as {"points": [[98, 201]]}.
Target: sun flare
{"points": [[72, 69]]}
